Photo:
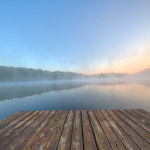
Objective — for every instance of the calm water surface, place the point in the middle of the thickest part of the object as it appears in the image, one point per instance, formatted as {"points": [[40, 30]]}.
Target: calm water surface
{"points": [[73, 95]]}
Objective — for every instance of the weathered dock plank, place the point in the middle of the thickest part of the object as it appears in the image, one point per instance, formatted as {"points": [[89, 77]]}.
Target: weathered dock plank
{"points": [[65, 138], [110, 134], [89, 141], [101, 139], [136, 118], [133, 134], [76, 141], [37, 138], [123, 136], [53, 141], [76, 130]]}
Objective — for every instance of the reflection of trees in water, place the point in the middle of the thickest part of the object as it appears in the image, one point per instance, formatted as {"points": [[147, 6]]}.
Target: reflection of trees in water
{"points": [[24, 90], [29, 89]]}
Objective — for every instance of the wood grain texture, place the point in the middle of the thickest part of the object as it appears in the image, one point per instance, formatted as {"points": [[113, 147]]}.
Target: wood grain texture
{"points": [[19, 139], [76, 130], [132, 133], [38, 141], [54, 139], [137, 119], [123, 136], [110, 134], [101, 139], [131, 123], [89, 141], [64, 143], [77, 142]]}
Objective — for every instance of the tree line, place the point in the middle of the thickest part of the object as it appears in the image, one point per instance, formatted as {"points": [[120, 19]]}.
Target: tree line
{"points": [[14, 74]]}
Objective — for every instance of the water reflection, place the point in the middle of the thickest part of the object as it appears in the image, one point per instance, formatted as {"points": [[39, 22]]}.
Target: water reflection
{"points": [[21, 90], [10, 91], [73, 95]]}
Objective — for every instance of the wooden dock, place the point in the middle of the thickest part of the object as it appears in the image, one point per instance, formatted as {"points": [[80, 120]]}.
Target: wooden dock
{"points": [[76, 130]]}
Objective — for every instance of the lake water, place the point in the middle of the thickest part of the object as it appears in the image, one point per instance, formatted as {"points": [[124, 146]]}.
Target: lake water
{"points": [[69, 95]]}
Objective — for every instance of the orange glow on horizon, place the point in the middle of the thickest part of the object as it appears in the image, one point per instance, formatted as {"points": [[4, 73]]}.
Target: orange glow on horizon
{"points": [[136, 61]]}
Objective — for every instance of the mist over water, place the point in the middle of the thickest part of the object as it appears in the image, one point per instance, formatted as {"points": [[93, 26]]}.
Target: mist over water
{"points": [[73, 95]]}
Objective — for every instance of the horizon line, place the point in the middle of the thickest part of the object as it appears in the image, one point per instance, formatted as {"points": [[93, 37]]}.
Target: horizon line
{"points": [[72, 71]]}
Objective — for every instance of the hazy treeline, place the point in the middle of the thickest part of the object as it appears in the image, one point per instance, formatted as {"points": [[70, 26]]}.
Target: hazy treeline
{"points": [[13, 74]]}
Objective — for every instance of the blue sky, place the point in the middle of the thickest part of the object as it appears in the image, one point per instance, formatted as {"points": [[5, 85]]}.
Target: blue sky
{"points": [[76, 35]]}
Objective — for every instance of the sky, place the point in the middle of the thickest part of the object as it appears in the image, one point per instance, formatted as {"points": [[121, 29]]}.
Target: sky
{"points": [[87, 36]]}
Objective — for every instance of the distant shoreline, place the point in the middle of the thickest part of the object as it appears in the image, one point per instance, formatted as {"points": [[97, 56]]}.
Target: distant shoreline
{"points": [[13, 74]]}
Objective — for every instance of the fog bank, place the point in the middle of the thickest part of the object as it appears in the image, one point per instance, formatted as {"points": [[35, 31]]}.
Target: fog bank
{"points": [[17, 75]]}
